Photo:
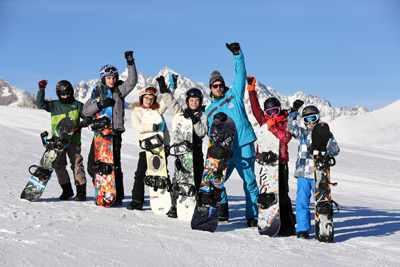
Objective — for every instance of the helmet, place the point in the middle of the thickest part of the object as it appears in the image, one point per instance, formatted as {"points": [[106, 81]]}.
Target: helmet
{"points": [[310, 114], [272, 107], [194, 92], [108, 70], [147, 91], [64, 87]]}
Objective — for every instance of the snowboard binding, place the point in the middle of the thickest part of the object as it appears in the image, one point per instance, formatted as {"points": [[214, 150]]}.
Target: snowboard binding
{"points": [[101, 168], [102, 125], [157, 182], [151, 143], [323, 162], [266, 200], [182, 189], [267, 158], [41, 173], [53, 142], [211, 198], [181, 148]]}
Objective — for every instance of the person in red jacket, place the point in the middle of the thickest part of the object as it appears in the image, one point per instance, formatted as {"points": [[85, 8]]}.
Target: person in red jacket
{"points": [[276, 119]]}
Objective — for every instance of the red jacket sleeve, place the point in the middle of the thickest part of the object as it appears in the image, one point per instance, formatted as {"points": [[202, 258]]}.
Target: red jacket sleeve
{"points": [[281, 132], [255, 107]]}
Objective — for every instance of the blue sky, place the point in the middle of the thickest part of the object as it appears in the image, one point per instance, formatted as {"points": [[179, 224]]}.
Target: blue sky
{"points": [[345, 51]]}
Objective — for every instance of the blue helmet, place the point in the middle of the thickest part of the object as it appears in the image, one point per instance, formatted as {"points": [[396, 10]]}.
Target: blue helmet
{"points": [[108, 70]]}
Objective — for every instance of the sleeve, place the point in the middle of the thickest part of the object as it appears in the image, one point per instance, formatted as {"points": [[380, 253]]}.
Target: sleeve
{"points": [[281, 133], [89, 108], [130, 82], [43, 103], [200, 128], [239, 82], [258, 113], [293, 125], [333, 148], [137, 124], [171, 103]]}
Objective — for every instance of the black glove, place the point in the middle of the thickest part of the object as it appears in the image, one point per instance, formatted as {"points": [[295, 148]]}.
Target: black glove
{"points": [[296, 105], [234, 47], [129, 57], [108, 102], [162, 84], [221, 116], [78, 128], [250, 80], [42, 84], [187, 114]]}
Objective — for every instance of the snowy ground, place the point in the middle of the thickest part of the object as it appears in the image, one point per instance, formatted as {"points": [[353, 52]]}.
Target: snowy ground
{"points": [[50, 232]]}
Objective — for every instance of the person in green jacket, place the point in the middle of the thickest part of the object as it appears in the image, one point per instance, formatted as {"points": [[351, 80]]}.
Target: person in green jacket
{"points": [[67, 106]]}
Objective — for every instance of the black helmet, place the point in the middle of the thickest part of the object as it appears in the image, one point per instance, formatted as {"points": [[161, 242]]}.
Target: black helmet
{"points": [[64, 87], [194, 92], [309, 110], [271, 103]]}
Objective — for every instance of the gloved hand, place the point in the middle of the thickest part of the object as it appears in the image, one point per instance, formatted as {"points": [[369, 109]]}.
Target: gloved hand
{"points": [[42, 85], [187, 114], [162, 84], [108, 102], [173, 81], [296, 105], [160, 127], [251, 83], [221, 116], [234, 47], [78, 128], [271, 122], [129, 57]]}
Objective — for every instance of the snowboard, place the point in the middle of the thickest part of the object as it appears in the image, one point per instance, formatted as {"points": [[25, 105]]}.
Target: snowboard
{"points": [[183, 188], [42, 172], [103, 165], [157, 175], [206, 212], [323, 207], [268, 182]]}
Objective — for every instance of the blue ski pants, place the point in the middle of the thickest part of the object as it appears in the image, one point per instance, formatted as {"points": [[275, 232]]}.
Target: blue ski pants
{"points": [[305, 187], [243, 160]]}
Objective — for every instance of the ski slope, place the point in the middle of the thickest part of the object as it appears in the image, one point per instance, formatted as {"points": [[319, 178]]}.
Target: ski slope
{"points": [[55, 233]]}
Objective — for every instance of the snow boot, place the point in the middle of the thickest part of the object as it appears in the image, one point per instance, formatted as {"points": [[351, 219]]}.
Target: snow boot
{"points": [[135, 205], [80, 192], [252, 222], [303, 234], [172, 213], [223, 212], [67, 191]]}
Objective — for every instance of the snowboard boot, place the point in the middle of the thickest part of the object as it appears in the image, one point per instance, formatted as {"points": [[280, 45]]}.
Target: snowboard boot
{"points": [[303, 234], [223, 212], [135, 205], [287, 232], [80, 192], [117, 202], [172, 213], [67, 191], [252, 222]]}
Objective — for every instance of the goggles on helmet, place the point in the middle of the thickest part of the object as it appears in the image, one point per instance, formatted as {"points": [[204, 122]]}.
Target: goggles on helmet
{"points": [[311, 118], [270, 112], [110, 71]]}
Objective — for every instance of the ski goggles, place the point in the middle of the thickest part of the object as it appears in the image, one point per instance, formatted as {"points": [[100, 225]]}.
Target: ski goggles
{"points": [[149, 91], [110, 71], [311, 118], [270, 112]]}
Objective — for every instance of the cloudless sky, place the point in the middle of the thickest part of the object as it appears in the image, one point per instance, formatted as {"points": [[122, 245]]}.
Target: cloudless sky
{"points": [[345, 51]]}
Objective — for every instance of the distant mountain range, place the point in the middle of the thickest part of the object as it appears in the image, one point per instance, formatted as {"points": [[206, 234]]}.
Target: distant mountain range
{"points": [[9, 95]]}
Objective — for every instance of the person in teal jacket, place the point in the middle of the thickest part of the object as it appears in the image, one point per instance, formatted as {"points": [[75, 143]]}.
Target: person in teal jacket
{"points": [[231, 102]]}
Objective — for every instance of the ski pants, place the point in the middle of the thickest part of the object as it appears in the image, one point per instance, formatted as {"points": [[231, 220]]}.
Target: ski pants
{"points": [[288, 220], [117, 144], [243, 160], [305, 187], [74, 154]]}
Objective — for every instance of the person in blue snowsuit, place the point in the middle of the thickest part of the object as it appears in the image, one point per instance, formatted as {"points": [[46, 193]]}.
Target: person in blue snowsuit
{"points": [[230, 102], [304, 172]]}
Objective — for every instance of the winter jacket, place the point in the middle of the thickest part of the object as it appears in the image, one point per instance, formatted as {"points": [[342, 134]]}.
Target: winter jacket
{"points": [[199, 129], [59, 111], [279, 129], [90, 108], [142, 127], [232, 104], [304, 162]]}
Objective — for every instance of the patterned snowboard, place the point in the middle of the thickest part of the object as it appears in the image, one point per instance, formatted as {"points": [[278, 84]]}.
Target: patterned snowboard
{"points": [[268, 182], [206, 212], [157, 175], [54, 147], [103, 166], [183, 187]]}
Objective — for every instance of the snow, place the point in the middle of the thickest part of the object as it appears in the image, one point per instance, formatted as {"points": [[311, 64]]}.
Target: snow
{"points": [[50, 231]]}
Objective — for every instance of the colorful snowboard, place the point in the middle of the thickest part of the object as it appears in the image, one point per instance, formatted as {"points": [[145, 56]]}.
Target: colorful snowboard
{"points": [[54, 147], [157, 175], [268, 182], [324, 230], [183, 189], [103, 166], [206, 212]]}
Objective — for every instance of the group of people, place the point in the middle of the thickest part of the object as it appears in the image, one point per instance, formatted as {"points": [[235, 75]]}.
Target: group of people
{"points": [[225, 101]]}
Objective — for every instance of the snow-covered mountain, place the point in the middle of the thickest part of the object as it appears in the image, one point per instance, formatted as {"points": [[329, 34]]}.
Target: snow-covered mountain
{"points": [[15, 97], [328, 112]]}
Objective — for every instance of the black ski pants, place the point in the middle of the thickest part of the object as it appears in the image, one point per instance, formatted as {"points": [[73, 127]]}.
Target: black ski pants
{"points": [[288, 220]]}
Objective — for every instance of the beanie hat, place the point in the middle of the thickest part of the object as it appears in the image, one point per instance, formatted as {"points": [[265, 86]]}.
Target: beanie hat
{"points": [[216, 76]]}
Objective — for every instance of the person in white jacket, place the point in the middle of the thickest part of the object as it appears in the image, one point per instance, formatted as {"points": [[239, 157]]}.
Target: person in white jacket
{"points": [[194, 111], [147, 102]]}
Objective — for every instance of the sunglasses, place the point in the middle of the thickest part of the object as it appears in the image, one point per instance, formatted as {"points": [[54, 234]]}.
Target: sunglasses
{"points": [[269, 112], [215, 86], [311, 118], [110, 70]]}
